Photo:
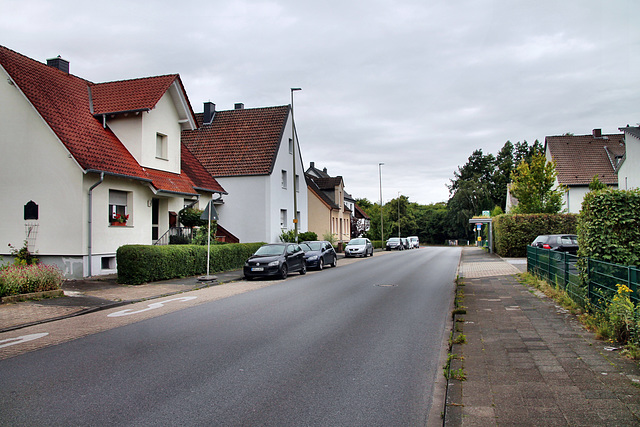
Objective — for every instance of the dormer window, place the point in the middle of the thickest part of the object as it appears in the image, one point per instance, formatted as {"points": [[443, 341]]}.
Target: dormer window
{"points": [[161, 146]]}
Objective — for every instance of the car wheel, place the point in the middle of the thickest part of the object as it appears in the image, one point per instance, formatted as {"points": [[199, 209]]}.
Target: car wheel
{"points": [[320, 264], [303, 270], [284, 271], [334, 264], [371, 252]]}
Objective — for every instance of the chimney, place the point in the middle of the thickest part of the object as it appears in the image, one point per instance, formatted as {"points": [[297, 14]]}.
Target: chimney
{"points": [[59, 63], [209, 112], [313, 165], [324, 170], [239, 106], [597, 133]]}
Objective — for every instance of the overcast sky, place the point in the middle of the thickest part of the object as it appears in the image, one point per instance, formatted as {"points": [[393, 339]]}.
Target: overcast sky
{"points": [[415, 84]]}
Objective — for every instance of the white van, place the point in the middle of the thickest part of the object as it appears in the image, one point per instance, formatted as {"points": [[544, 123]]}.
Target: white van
{"points": [[414, 242]]}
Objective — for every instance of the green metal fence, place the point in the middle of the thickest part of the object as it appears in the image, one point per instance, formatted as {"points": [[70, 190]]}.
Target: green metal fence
{"points": [[596, 286]]}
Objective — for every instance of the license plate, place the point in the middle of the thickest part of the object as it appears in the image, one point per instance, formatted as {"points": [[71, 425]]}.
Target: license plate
{"points": [[257, 269]]}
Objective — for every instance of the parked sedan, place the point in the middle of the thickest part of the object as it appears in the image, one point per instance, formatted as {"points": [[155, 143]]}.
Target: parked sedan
{"points": [[394, 243], [277, 259], [317, 254], [358, 247], [557, 242]]}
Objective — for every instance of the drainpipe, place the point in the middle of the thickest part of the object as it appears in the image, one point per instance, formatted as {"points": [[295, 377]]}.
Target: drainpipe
{"points": [[90, 217]]}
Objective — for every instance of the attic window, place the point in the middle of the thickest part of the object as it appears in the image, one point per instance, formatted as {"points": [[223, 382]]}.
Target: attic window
{"points": [[290, 146], [283, 179], [161, 146]]}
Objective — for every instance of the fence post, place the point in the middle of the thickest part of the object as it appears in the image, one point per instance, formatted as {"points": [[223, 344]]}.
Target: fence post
{"points": [[589, 279]]}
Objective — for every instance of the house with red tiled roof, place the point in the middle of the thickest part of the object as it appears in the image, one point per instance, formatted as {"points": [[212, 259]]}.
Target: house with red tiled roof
{"points": [[255, 155], [328, 213], [579, 158], [629, 166], [88, 167]]}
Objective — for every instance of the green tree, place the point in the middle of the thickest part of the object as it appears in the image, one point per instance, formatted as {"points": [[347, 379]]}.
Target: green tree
{"points": [[502, 175], [533, 185], [596, 184]]}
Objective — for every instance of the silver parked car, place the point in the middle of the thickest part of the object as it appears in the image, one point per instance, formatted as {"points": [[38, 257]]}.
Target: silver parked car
{"points": [[358, 247]]}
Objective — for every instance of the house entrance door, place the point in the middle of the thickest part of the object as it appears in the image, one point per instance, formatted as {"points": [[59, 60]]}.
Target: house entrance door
{"points": [[155, 214]]}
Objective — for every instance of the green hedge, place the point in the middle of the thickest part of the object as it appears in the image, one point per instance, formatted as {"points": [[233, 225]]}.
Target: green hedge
{"points": [[610, 226], [144, 263], [512, 233]]}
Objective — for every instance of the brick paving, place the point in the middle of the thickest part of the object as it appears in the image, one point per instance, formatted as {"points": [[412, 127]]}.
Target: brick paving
{"points": [[530, 362]]}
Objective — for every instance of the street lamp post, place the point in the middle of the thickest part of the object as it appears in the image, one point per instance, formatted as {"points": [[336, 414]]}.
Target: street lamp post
{"points": [[381, 219], [293, 142], [398, 214]]}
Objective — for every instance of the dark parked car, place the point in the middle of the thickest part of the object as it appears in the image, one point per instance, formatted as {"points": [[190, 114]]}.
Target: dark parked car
{"points": [[557, 242], [358, 247], [277, 259], [394, 243], [317, 254]]}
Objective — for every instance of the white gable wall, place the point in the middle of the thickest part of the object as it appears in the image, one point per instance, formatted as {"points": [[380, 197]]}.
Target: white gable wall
{"points": [[35, 165], [251, 210], [137, 131], [629, 172]]}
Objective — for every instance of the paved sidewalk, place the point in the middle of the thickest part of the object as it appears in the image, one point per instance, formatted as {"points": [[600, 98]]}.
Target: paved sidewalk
{"points": [[91, 294], [529, 362]]}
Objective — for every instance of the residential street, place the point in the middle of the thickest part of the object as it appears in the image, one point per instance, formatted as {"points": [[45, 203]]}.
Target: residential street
{"points": [[355, 345]]}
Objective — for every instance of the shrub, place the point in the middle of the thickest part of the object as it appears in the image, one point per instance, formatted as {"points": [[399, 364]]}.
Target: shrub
{"points": [[513, 233], [146, 263], [23, 256], [609, 226], [307, 236], [23, 279]]}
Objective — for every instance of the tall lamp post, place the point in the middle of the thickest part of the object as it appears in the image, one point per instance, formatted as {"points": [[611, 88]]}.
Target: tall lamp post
{"points": [[398, 214], [295, 190], [381, 220]]}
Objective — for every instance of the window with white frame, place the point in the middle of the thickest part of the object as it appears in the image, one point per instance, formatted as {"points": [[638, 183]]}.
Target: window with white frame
{"points": [[118, 206], [283, 179], [290, 146], [161, 146], [283, 218]]}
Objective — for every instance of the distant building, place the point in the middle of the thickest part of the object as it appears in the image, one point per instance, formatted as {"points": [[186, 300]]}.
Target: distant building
{"points": [[581, 157]]}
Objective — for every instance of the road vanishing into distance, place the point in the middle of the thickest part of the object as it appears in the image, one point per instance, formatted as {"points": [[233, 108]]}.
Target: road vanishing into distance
{"points": [[357, 345]]}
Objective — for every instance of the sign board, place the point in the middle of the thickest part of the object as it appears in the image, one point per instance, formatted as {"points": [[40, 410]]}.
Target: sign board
{"points": [[479, 226], [486, 213], [205, 213]]}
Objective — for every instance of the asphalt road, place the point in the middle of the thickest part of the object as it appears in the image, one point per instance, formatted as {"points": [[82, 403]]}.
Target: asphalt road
{"points": [[354, 345]]}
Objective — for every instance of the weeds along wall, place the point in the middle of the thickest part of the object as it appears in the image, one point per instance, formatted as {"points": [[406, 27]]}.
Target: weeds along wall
{"points": [[513, 233], [139, 264], [609, 226]]}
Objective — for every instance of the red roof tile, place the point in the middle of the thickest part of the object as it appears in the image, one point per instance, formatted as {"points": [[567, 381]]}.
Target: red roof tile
{"points": [[580, 157], [63, 101], [130, 95], [239, 142]]}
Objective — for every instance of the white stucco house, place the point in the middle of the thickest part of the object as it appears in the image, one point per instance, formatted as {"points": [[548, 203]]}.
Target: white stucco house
{"points": [[629, 166], [252, 152], [75, 155], [579, 158]]}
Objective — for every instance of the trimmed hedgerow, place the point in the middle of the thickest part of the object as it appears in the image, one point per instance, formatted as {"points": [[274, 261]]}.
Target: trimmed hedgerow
{"points": [[512, 233], [610, 226], [145, 263]]}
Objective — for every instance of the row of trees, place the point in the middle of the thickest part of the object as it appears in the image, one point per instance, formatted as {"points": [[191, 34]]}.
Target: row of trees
{"points": [[479, 185]]}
